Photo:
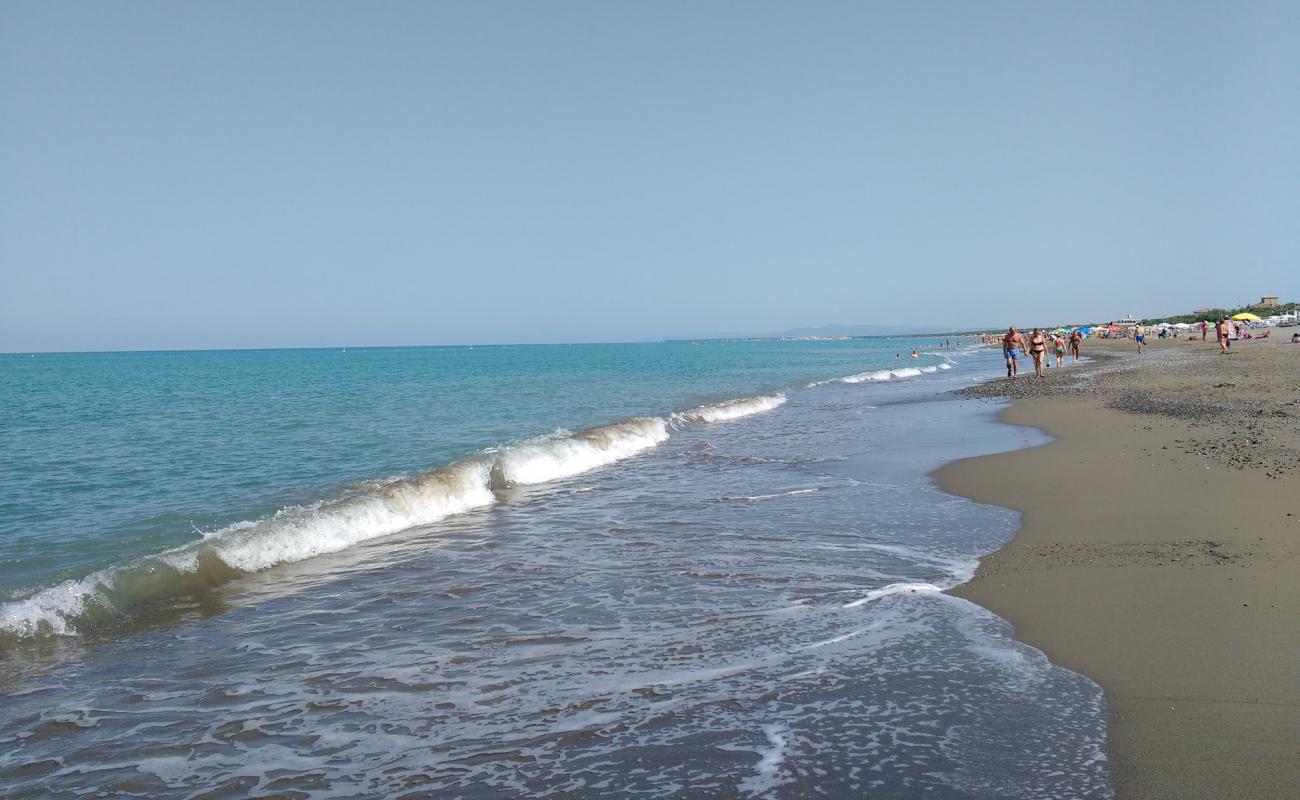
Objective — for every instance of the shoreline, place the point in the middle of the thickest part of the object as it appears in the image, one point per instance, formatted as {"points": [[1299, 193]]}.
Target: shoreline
{"points": [[1158, 555]]}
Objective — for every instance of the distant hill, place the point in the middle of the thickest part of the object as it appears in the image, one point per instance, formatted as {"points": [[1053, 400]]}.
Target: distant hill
{"points": [[857, 330], [825, 331]]}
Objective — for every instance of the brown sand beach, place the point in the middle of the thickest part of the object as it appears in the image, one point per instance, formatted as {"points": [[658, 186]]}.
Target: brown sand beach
{"points": [[1159, 555]]}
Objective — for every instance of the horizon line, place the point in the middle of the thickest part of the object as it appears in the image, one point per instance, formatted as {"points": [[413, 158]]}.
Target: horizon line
{"points": [[769, 337]]}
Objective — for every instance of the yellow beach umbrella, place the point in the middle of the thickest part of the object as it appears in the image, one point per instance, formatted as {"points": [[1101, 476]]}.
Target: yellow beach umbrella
{"points": [[1246, 316]]}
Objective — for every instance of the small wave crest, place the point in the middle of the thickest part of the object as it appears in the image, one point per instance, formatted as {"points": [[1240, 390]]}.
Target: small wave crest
{"points": [[732, 409], [553, 457], [882, 375]]}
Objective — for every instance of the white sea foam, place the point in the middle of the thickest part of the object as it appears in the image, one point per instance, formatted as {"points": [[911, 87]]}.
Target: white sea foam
{"points": [[49, 608], [843, 637], [894, 588], [961, 569], [769, 774], [774, 496], [732, 409]]}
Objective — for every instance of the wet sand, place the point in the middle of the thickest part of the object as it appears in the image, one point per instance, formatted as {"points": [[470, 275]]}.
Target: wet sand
{"points": [[1160, 555]]}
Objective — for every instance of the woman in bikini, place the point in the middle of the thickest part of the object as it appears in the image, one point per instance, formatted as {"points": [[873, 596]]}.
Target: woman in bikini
{"points": [[1059, 341], [1075, 339], [1038, 351]]}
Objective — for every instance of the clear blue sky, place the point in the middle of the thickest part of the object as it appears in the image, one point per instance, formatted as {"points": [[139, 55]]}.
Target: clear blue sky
{"points": [[245, 174]]}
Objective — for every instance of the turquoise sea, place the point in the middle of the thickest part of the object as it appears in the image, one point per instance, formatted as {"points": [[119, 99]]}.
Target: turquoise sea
{"points": [[105, 457], [669, 569]]}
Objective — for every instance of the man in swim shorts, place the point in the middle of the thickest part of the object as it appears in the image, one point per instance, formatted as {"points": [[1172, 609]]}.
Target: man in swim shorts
{"points": [[1010, 342], [1140, 334]]}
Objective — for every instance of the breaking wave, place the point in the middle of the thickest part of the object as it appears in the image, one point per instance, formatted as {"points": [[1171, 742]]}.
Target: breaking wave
{"points": [[882, 375], [732, 409], [559, 456], [296, 533]]}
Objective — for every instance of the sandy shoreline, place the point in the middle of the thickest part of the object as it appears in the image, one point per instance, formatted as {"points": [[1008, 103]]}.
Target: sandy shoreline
{"points": [[1173, 585]]}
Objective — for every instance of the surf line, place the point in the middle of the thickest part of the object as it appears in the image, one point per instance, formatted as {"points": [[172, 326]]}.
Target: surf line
{"points": [[296, 533]]}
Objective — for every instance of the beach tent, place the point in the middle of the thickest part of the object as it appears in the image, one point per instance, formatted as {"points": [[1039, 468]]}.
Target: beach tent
{"points": [[1163, 325], [1084, 329], [1246, 316], [1182, 325]]}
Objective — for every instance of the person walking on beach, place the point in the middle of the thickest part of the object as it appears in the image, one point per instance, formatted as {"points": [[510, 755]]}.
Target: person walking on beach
{"points": [[1140, 334], [1038, 351], [1059, 341], [1075, 339], [1221, 331], [1204, 325], [1010, 343]]}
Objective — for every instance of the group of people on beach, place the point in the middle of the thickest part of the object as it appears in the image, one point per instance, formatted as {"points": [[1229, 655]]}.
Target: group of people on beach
{"points": [[1036, 345], [1223, 331]]}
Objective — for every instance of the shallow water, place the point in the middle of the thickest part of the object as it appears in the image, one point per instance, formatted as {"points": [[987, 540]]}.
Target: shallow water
{"points": [[748, 607]]}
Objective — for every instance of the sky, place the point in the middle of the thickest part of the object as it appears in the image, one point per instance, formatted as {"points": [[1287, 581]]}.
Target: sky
{"points": [[296, 174]]}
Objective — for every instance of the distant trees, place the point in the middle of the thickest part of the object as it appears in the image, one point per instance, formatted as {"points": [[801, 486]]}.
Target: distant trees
{"points": [[1220, 313]]}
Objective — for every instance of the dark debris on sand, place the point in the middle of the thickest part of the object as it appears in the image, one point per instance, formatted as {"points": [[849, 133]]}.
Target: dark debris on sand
{"points": [[1259, 433], [1069, 381]]}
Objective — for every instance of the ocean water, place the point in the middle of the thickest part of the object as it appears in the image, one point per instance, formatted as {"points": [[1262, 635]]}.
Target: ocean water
{"points": [[659, 570]]}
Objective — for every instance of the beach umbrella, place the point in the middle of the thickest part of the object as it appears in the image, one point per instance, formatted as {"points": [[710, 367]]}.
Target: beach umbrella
{"points": [[1084, 329], [1163, 325], [1246, 316], [1182, 325]]}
